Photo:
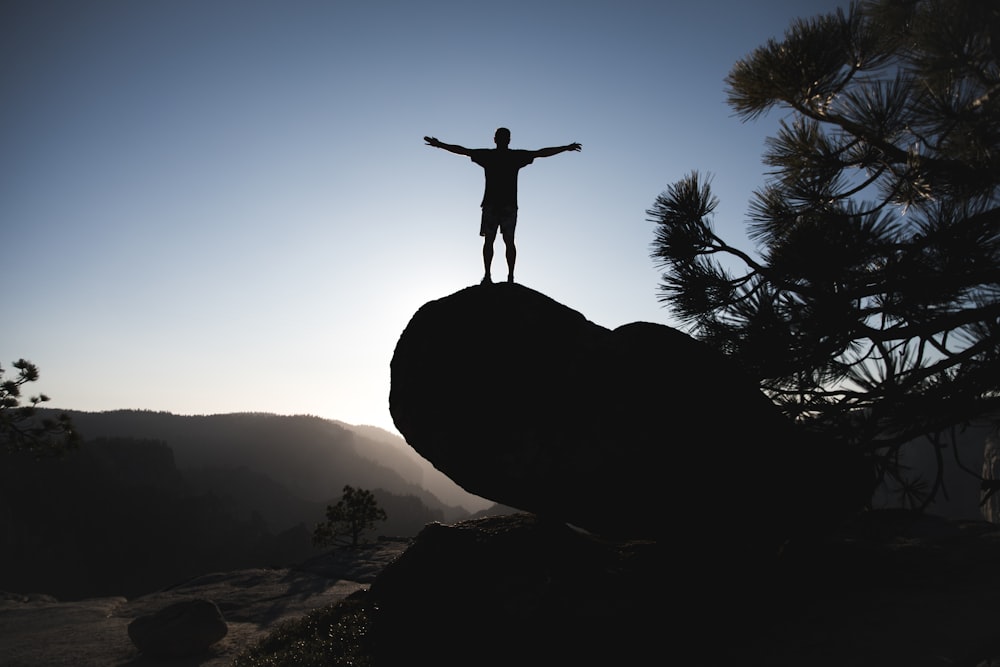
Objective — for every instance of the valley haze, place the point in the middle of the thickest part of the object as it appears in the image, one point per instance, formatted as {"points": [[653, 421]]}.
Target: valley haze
{"points": [[283, 447], [150, 499]]}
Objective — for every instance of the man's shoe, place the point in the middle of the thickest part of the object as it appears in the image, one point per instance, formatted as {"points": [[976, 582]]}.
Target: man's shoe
{"points": [[486, 281]]}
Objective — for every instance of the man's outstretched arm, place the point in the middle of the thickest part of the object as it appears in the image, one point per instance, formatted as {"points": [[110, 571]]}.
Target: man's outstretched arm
{"points": [[555, 150], [453, 148]]}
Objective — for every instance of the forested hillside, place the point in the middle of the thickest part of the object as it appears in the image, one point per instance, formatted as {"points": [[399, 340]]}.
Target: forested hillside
{"points": [[313, 456], [150, 499]]}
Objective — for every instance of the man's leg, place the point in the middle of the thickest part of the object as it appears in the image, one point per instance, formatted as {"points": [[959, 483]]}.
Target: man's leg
{"points": [[508, 239], [488, 255]]}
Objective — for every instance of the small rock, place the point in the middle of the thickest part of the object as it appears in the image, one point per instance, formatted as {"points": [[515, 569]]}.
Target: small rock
{"points": [[184, 628]]}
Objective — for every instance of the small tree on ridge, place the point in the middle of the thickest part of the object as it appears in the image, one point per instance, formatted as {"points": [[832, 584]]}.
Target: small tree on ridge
{"points": [[347, 522]]}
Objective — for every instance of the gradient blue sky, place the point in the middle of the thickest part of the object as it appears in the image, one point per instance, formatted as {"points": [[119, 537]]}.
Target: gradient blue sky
{"points": [[227, 206]]}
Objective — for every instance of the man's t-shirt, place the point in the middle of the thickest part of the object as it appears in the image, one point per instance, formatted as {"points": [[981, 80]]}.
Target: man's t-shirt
{"points": [[501, 168]]}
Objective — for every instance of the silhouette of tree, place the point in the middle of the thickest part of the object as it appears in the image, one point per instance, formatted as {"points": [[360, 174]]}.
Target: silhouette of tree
{"points": [[21, 428], [871, 310], [347, 522]]}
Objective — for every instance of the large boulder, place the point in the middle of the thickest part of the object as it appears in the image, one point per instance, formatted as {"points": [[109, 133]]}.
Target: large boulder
{"points": [[635, 432]]}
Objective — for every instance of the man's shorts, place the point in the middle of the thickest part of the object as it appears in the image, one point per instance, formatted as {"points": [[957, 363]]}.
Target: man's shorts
{"points": [[493, 218]]}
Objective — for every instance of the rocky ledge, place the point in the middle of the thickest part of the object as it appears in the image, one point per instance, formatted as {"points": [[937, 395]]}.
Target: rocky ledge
{"points": [[889, 588]]}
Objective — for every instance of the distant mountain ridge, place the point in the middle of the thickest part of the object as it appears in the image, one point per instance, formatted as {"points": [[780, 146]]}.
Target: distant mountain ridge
{"points": [[311, 456], [152, 498]]}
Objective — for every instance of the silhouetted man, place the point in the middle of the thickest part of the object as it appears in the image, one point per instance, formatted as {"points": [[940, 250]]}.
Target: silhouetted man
{"points": [[499, 205]]}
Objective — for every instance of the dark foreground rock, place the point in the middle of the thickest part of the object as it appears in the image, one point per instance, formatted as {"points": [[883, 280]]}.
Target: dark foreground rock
{"points": [[517, 590], [886, 590], [638, 432]]}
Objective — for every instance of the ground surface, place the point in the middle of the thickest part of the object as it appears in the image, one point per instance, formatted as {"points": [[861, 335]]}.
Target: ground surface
{"points": [[36, 631], [919, 593]]}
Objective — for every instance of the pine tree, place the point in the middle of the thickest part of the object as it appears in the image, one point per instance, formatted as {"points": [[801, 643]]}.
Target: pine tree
{"points": [[22, 428], [871, 307], [347, 522]]}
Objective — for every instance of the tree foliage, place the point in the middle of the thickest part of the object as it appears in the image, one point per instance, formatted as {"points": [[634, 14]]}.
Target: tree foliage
{"points": [[21, 427], [870, 308], [347, 522]]}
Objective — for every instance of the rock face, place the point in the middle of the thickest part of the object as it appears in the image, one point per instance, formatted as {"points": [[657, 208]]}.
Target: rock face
{"points": [[182, 629], [635, 432], [892, 588], [515, 590]]}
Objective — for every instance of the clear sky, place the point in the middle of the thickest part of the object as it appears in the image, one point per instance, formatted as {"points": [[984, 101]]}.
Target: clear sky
{"points": [[216, 206]]}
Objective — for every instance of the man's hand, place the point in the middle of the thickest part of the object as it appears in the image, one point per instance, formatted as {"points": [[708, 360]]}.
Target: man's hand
{"points": [[556, 150], [451, 148]]}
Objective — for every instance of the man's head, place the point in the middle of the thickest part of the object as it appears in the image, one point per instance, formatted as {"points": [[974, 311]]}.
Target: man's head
{"points": [[502, 137]]}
